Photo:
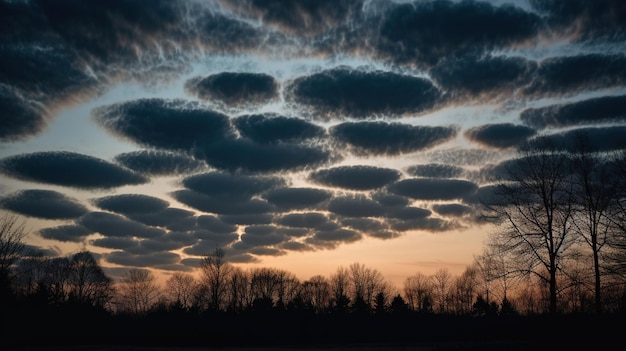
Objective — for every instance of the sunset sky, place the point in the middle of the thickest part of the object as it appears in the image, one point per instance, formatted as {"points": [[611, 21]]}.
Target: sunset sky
{"points": [[301, 135]]}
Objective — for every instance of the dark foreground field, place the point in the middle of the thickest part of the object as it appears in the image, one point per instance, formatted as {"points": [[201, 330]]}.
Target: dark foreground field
{"points": [[337, 333]]}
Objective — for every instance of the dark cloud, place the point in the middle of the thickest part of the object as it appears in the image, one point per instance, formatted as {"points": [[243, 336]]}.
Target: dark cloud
{"points": [[209, 242], [433, 189], [427, 31], [117, 243], [360, 94], [231, 187], [390, 200], [307, 18], [574, 74], [371, 227], [296, 198], [169, 241], [355, 177], [68, 169], [66, 233], [142, 260], [47, 204], [482, 76], [166, 124], [171, 218], [332, 238], [235, 88], [261, 235], [215, 224], [601, 20], [109, 224], [219, 204], [273, 128], [159, 162], [597, 110], [248, 218], [452, 210], [427, 224], [302, 220], [503, 135], [382, 138], [596, 139], [296, 246], [128, 204], [244, 155], [355, 206], [19, 117], [406, 213], [435, 170]]}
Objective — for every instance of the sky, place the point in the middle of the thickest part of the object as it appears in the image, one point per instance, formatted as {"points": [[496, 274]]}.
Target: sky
{"points": [[300, 135]]}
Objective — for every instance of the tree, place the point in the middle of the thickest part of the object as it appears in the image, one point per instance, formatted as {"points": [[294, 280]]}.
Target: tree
{"points": [[180, 288], [533, 207], [595, 190], [88, 284], [442, 279], [216, 273], [419, 291], [12, 234], [316, 292], [139, 292]]}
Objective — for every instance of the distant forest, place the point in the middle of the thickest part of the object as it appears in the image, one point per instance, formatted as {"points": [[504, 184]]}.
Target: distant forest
{"points": [[553, 273]]}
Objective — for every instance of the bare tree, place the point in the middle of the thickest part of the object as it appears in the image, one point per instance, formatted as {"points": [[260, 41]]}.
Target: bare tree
{"points": [[239, 294], [442, 280], [139, 292], [340, 289], [534, 207], [595, 188], [180, 288], [366, 282], [215, 273], [316, 292], [419, 292], [88, 284], [12, 234]]}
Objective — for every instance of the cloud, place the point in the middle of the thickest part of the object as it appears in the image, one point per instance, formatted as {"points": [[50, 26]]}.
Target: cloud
{"points": [[424, 32], [159, 162], [143, 121], [482, 77], [307, 18], [302, 220], [244, 155], [68, 169], [47, 204], [435, 170], [433, 189], [117, 243], [273, 128], [172, 218], [231, 187], [220, 205], [260, 235], [427, 224], [128, 204], [214, 224], [406, 213], [355, 177], [601, 20], [109, 224], [66, 233], [247, 218], [596, 139], [331, 238], [568, 75], [502, 135], [604, 109], [209, 242], [355, 206], [296, 198], [361, 94], [452, 210], [235, 88], [390, 200], [382, 138], [19, 118], [170, 241], [142, 260]]}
